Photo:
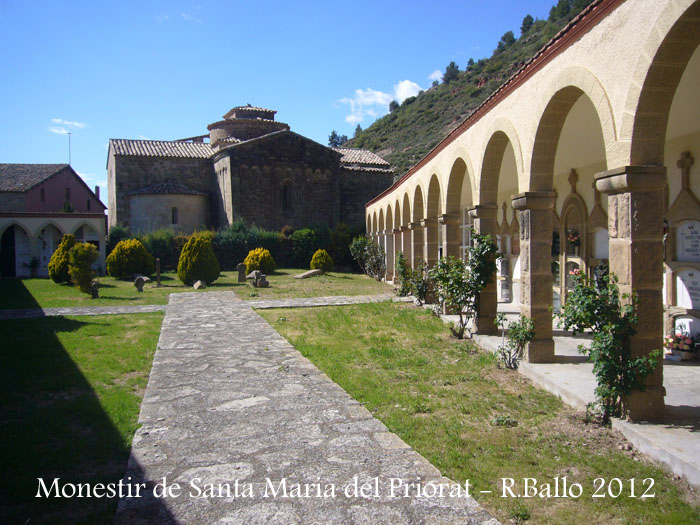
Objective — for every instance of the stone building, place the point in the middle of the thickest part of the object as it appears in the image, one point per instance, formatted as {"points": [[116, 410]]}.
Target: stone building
{"points": [[249, 166], [39, 203], [582, 159]]}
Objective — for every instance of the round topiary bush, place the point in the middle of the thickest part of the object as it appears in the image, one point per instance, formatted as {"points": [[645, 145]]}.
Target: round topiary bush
{"points": [[129, 258], [322, 261], [198, 262], [58, 264], [81, 258], [260, 259]]}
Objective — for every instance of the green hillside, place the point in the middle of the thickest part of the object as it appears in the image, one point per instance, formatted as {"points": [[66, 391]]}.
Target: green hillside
{"points": [[411, 130]]}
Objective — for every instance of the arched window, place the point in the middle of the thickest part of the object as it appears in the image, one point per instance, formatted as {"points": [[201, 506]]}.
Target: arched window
{"points": [[173, 213], [286, 197]]}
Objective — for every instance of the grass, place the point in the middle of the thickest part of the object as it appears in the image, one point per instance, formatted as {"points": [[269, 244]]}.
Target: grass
{"points": [[451, 403], [284, 286], [70, 391], [44, 293]]}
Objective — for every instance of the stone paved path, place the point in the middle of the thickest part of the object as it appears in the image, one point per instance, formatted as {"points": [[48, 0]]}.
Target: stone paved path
{"points": [[31, 313], [229, 399]]}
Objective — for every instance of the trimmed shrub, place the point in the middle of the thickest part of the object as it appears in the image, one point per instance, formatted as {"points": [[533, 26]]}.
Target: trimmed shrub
{"points": [[58, 264], [304, 244], [116, 235], [163, 244], [81, 257], [198, 262], [260, 259], [129, 258], [322, 261], [341, 238]]}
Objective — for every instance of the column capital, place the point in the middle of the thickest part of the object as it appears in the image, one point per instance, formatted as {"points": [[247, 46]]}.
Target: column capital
{"points": [[428, 222], [404, 228], [484, 211], [631, 178], [534, 200], [396, 230], [414, 225], [449, 218]]}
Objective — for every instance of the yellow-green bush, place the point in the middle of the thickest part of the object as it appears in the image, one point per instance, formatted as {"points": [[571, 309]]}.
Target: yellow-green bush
{"points": [[81, 258], [260, 259], [58, 264], [198, 262], [129, 258], [322, 261]]}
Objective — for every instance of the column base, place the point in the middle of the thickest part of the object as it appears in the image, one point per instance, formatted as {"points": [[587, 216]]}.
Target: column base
{"points": [[647, 405], [540, 351]]}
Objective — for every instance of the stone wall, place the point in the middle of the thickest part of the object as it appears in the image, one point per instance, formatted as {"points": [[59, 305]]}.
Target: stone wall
{"points": [[137, 172], [152, 212], [11, 201], [357, 187]]}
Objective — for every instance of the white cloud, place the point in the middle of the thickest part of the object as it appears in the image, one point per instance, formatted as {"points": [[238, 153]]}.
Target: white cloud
{"points": [[405, 89], [143, 137], [69, 123], [372, 103], [189, 18], [365, 103], [435, 75], [162, 18], [58, 130]]}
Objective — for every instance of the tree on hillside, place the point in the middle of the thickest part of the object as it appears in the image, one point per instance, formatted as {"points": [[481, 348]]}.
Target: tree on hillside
{"points": [[393, 105], [560, 10], [470, 64], [527, 24], [358, 130], [507, 40], [451, 73], [335, 140]]}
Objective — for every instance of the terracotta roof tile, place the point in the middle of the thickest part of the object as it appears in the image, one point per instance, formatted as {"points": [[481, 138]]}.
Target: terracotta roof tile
{"points": [[166, 188], [161, 148], [21, 177], [360, 156]]}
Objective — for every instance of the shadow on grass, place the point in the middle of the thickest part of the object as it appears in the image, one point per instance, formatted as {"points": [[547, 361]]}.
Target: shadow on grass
{"points": [[54, 426]]}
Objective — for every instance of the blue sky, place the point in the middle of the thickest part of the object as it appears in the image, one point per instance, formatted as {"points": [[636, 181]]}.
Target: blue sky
{"points": [[165, 70]]}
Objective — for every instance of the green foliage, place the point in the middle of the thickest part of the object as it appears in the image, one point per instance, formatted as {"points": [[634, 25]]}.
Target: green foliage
{"points": [[507, 40], [403, 275], [527, 24], [451, 73], [369, 256], [198, 262], [335, 140], [597, 305], [164, 245], [393, 106], [322, 261], [304, 244], [459, 285], [260, 259], [129, 258], [116, 234], [58, 264], [339, 251], [520, 333], [81, 257], [410, 131], [358, 130], [420, 283]]}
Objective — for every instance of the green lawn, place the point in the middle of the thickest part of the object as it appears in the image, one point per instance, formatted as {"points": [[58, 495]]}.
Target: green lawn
{"points": [[471, 420], [71, 388], [44, 293], [284, 286]]}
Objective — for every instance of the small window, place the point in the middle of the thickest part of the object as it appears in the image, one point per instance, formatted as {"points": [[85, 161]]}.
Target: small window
{"points": [[174, 216], [88, 204], [67, 194], [43, 195], [285, 198]]}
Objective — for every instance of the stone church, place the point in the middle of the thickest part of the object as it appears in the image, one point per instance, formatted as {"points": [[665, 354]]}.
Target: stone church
{"points": [[249, 166]]}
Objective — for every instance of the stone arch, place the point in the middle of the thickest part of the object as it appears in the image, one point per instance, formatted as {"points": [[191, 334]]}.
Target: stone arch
{"points": [[406, 210], [397, 214], [669, 48], [549, 131], [455, 185], [85, 224], [374, 222], [369, 224], [434, 200], [46, 223], [491, 165], [418, 206], [14, 222], [15, 250], [380, 224], [389, 223]]}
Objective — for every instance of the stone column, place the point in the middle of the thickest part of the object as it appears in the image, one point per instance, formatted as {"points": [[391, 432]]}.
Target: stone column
{"points": [[416, 256], [536, 222], [430, 245], [485, 218], [635, 226], [398, 241], [450, 240], [406, 244], [389, 251]]}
